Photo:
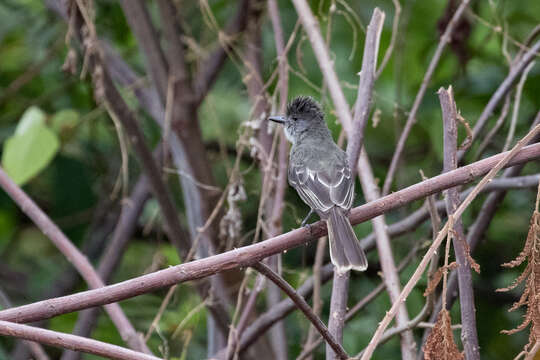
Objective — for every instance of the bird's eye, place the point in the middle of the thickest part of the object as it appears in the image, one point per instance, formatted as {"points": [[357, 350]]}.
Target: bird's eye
{"points": [[295, 118]]}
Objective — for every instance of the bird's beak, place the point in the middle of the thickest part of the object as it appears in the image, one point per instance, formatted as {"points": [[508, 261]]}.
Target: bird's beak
{"points": [[278, 119]]}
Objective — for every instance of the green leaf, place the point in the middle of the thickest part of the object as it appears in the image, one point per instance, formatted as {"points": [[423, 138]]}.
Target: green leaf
{"points": [[33, 116], [30, 149]]}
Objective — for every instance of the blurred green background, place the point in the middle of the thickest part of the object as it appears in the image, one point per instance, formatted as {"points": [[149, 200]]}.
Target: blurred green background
{"points": [[76, 184]]}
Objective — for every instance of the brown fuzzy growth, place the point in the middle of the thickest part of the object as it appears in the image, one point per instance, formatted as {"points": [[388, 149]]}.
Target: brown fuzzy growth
{"points": [[531, 278], [306, 106], [440, 343], [436, 278]]}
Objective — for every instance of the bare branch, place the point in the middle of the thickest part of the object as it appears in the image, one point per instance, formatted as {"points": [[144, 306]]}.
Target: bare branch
{"points": [[466, 293], [338, 309], [70, 251], [502, 90], [457, 214], [364, 96], [246, 255], [68, 341], [303, 306], [411, 119]]}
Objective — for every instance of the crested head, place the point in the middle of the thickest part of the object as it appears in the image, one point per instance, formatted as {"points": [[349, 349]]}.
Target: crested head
{"points": [[305, 107]]}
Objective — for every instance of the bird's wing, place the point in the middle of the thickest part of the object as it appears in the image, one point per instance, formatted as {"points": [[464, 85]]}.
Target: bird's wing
{"points": [[323, 188]]}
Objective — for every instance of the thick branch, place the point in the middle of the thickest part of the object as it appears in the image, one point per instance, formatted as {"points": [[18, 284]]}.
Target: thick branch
{"points": [[68, 341], [247, 255]]}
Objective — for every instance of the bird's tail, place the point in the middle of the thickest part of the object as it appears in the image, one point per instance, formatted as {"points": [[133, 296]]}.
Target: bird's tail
{"points": [[345, 250]]}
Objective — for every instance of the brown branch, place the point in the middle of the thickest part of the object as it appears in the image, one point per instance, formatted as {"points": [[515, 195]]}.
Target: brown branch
{"points": [[123, 231], [139, 21], [68, 341], [246, 255], [313, 31], [70, 251], [416, 218], [364, 95], [411, 119], [442, 234], [303, 306], [502, 90], [212, 65], [390, 274], [338, 309], [480, 226], [466, 293]]}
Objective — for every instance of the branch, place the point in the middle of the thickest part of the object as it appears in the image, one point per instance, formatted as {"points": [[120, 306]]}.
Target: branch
{"points": [[70, 251], [338, 309], [68, 341], [415, 219], [247, 255], [313, 32], [457, 214], [411, 119], [303, 306], [210, 68], [386, 256], [501, 91], [139, 21], [364, 96], [466, 294], [123, 231]]}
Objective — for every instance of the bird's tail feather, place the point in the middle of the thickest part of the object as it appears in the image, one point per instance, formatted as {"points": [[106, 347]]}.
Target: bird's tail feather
{"points": [[345, 250]]}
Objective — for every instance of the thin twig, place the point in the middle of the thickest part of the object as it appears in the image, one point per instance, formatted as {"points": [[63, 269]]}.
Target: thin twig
{"points": [[515, 110]]}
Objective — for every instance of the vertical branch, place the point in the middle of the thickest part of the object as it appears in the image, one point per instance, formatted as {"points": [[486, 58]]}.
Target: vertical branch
{"points": [[338, 310], [469, 334], [386, 257], [411, 119], [365, 88]]}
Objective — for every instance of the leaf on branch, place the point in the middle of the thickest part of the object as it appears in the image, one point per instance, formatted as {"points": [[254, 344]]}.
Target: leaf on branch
{"points": [[440, 344], [531, 278], [436, 279]]}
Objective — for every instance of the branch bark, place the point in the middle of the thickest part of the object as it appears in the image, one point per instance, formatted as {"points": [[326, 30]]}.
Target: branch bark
{"points": [[469, 335], [411, 119], [246, 255], [68, 341], [70, 251], [303, 306]]}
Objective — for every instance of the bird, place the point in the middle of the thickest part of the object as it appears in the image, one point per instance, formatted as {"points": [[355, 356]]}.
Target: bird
{"points": [[319, 171]]}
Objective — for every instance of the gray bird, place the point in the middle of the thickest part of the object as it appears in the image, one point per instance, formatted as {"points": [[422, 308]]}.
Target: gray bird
{"points": [[320, 173]]}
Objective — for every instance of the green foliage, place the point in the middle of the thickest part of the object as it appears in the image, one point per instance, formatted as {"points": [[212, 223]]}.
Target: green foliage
{"points": [[31, 148]]}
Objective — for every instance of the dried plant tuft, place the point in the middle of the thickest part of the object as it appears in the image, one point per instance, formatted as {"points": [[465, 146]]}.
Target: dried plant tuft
{"points": [[440, 343], [531, 278]]}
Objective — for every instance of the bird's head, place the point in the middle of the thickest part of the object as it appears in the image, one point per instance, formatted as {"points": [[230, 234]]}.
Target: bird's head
{"points": [[303, 113]]}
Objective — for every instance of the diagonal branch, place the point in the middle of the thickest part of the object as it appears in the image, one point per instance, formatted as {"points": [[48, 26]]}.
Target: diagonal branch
{"points": [[411, 119], [246, 255], [303, 306], [68, 341], [70, 251]]}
